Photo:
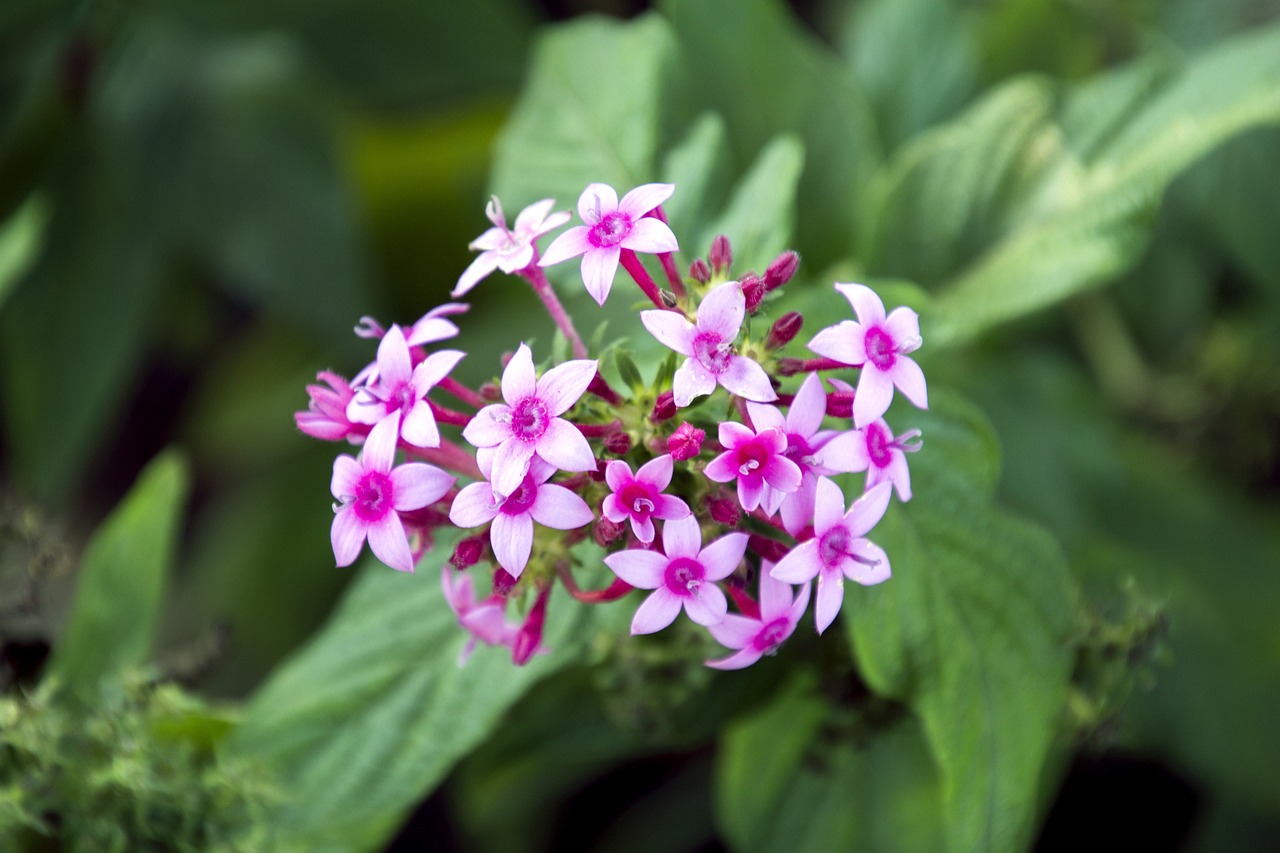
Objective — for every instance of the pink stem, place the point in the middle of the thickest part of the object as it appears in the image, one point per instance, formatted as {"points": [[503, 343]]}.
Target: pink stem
{"points": [[538, 281], [613, 592], [598, 430], [792, 366], [462, 392], [668, 262], [633, 266], [449, 416], [745, 603], [451, 456]]}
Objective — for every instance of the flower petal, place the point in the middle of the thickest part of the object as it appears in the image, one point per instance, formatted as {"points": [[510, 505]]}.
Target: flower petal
{"points": [[510, 465], [723, 556], [657, 612], [529, 219], [739, 660], [844, 342], [903, 325], [568, 245], [828, 506], [808, 408], [656, 472], [565, 448], [558, 508], [563, 385], [417, 484], [612, 509], [479, 269], [512, 539], [643, 529], [394, 364], [708, 606], [389, 543], [641, 569], [860, 572], [909, 378], [473, 506], [867, 510], [347, 536], [750, 491], [617, 474], [722, 310], [830, 597], [875, 392], [736, 631], [775, 595], [748, 380], [724, 468], [763, 417], [798, 606], [644, 198], [845, 453], [518, 379], [434, 368], [866, 304], [671, 329], [682, 537], [797, 508], [691, 380], [380, 447], [782, 474], [419, 426], [489, 427], [650, 235], [900, 475], [669, 508], [799, 565], [599, 267], [596, 200], [346, 473]]}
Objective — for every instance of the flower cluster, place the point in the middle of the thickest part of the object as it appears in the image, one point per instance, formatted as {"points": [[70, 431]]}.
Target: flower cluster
{"points": [[718, 470]]}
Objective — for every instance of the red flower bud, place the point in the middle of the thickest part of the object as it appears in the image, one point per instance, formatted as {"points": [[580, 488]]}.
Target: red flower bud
{"points": [[754, 290], [840, 404], [664, 408], [771, 549], [781, 270], [699, 271], [723, 508], [491, 392], [606, 532], [529, 637], [468, 552], [685, 442], [790, 366], [721, 254], [785, 328], [617, 442], [503, 581]]}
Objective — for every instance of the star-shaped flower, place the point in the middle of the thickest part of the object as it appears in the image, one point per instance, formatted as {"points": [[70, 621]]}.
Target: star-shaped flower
{"points": [[509, 250], [754, 459], [754, 638], [639, 497], [709, 347], [612, 226], [876, 450], [400, 391]]}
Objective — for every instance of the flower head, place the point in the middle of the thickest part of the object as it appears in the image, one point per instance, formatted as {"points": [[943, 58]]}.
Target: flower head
{"points": [[879, 345], [529, 422], [326, 414], [684, 577], [612, 226], [876, 450], [373, 494], [754, 638], [837, 549], [709, 347], [754, 459], [639, 497], [509, 249], [400, 390]]}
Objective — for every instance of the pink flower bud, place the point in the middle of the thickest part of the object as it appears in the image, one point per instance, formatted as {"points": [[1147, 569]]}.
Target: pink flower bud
{"points": [[606, 532], [664, 408], [753, 290], [723, 508], [529, 637], [840, 404], [603, 390], [468, 552], [781, 270], [770, 549], [699, 271], [491, 392], [685, 442], [790, 366], [721, 255], [617, 442], [785, 328], [503, 581]]}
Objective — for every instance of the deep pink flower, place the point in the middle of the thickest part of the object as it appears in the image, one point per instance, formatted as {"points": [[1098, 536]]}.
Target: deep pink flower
{"points": [[509, 250], [805, 438], [640, 497], [612, 226], [400, 391], [876, 450], [513, 515], [326, 415], [528, 423], [709, 347], [879, 345], [837, 549], [372, 494], [686, 442], [485, 620], [754, 459], [684, 577], [754, 638]]}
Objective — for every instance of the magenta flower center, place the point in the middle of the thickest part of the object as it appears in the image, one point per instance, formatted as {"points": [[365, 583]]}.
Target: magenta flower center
{"points": [[800, 452], [683, 576], [712, 352], [519, 501], [878, 446], [881, 350], [771, 635], [833, 547], [637, 499], [373, 497], [529, 419], [752, 457], [610, 230]]}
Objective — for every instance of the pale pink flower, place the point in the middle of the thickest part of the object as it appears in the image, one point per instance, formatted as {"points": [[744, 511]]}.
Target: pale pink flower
{"points": [[528, 423], [754, 638], [876, 450], [612, 226], [837, 549], [513, 513], [430, 328], [805, 438], [709, 347], [372, 496], [754, 459], [400, 391], [684, 577], [879, 345], [485, 620], [640, 497], [507, 249], [326, 415]]}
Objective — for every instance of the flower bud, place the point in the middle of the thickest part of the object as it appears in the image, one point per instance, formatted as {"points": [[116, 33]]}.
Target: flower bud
{"points": [[597, 475], [503, 581], [790, 366], [753, 290], [603, 390], [723, 508], [664, 408], [700, 271], [617, 442], [467, 552], [685, 442], [781, 270], [721, 254], [529, 637], [840, 404], [770, 549], [606, 532], [785, 328], [491, 392]]}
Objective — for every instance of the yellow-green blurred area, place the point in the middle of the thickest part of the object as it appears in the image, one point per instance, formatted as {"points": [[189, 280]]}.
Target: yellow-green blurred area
{"points": [[198, 201]]}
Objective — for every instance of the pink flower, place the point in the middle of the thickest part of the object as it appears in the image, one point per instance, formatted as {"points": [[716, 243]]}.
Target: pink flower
{"points": [[484, 620], [513, 515], [879, 345], [401, 391], [709, 347], [804, 440], [686, 442], [837, 550], [640, 497], [430, 328], [755, 459], [372, 494], [754, 638], [612, 226], [874, 449], [326, 415], [684, 577], [528, 424], [506, 249]]}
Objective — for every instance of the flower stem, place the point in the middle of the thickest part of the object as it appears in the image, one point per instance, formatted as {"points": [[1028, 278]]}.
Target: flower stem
{"points": [[538, 281], [613, 592], [598, 430], [633, 266], [449, 416], [668, 262], [462, 392], [449, 455], [792, 366]]}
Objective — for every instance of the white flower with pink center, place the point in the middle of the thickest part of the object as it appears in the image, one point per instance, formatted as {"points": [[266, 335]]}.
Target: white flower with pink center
{"points": [[513, 513], [639, 497], [756, 637], [372, 494], [612, 226], [755, 460], [685, 577], [528, 424], [879, 345], [709, 347], [400, 390], [508, 249], [837, 549], [876, 450]]}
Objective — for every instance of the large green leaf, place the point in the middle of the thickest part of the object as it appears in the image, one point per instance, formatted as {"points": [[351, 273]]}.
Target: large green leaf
{"points": [[373, 713], [761, 211], [122, 580], [972, 632]]}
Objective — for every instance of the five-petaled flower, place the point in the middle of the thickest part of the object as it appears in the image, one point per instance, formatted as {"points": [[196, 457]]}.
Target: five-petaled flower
{"points": [[709, 347], [876, 450], [612, 226], [837, 549], [509, 249], [400, 391], [755, 460], [879, 345], [754, 638], [372, 496], [529, 422], [640, 497], [684, 577]]}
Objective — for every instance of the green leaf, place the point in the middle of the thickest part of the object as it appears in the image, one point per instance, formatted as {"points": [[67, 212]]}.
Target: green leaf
{"points": [[20, 238], [372, 714], [972, 632], [759, 217], [699, 167], [628, 371], [122, 580]]}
